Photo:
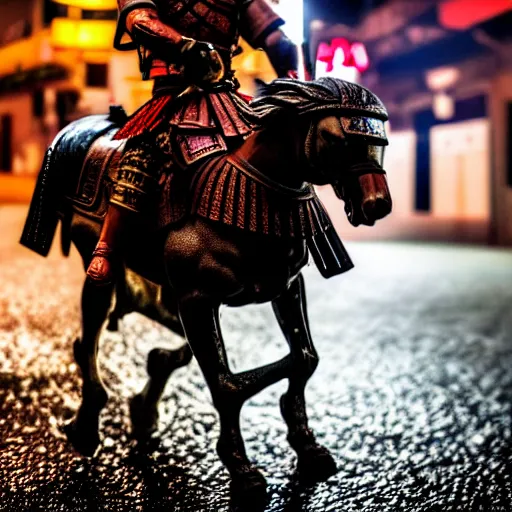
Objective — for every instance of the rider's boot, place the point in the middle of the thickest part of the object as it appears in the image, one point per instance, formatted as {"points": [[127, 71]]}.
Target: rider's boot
{"points": [[102, 268]]}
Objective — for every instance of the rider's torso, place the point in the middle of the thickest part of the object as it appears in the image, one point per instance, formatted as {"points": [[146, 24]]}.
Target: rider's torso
{"points": [[214, 21]]}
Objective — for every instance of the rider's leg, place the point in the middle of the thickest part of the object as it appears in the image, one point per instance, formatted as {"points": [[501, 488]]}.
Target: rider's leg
{"points": [[101, 269], [133, 189]]}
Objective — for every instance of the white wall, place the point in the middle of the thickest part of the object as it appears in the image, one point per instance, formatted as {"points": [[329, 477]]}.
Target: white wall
{"points": [[501, 95], [27, 140], [461, 170], [400, 165]]}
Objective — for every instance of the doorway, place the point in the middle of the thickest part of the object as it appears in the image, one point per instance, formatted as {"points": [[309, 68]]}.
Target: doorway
{"points": [[6, 143]]}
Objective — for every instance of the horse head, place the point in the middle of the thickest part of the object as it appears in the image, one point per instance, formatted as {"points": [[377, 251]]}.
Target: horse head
{"points": [[343, 140]]}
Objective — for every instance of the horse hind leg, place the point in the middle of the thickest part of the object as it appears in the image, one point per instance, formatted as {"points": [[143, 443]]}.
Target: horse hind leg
{"points": [[315, 463], [144, 406], [83, 430], [135, 294]]}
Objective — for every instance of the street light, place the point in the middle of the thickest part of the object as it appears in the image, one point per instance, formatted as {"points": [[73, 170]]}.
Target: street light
{"points": [[292, 12]]}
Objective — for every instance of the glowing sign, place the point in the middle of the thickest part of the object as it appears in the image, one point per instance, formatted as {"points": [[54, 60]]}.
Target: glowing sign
{"points": [[341, 53], [82, 34]]}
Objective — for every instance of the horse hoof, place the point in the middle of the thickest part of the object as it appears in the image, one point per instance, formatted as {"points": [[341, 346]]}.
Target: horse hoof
{"points": [[249, 493], [85, 442], [144, 422], [315, 464]]}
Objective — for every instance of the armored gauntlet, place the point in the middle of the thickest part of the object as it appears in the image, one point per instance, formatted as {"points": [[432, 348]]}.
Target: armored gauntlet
{"points": [[201, 62]]}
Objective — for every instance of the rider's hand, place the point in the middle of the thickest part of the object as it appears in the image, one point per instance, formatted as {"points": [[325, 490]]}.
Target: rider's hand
{"points": [[202, 63]]}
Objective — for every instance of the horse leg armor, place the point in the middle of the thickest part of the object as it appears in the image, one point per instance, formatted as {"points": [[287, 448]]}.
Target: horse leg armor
{"points": [[200, 318], [83, 430], [315, 463]]}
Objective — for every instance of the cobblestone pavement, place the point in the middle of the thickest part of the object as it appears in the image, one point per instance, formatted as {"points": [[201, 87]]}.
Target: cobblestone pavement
{"points": [[412, 395]]}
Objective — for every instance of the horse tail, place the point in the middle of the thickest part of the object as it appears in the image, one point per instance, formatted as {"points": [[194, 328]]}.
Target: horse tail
{"points": [[42, 218], [65, 233]]}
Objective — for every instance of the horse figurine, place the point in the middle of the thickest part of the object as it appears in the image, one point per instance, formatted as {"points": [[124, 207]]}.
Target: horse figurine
{"points": [[246, 220]]}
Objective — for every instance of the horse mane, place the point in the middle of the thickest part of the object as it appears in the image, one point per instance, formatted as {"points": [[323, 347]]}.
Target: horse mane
{"points": [[297, 98]]}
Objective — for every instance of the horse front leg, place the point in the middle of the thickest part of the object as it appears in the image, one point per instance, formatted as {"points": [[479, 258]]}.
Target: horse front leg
{"points": [[83, 430], [315, 463], [200, 319]]}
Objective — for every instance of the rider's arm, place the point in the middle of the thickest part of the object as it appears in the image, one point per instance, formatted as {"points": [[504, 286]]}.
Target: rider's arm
{"points": [[140, 20], [260, 28]]}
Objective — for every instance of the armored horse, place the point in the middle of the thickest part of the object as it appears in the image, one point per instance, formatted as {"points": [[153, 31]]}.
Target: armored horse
{"points": [[238, 231]]}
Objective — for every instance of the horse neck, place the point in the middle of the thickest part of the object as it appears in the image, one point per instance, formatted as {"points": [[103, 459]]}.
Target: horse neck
{"points": [[274, 151]]}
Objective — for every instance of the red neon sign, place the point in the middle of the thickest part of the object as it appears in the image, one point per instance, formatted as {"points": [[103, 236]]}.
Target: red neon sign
{"points": [[350, 55]]}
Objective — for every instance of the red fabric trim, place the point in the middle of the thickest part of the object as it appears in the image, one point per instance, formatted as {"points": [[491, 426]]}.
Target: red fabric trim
{"points": [[147, 118], [201, 112], [245, 97]]}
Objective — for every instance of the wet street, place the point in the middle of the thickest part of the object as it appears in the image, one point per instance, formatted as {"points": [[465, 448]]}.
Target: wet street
{"points": [[413, 394]]}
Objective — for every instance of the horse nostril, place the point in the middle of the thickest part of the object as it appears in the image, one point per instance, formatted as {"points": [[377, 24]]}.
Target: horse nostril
{"points": [[382, 207], [375, 208]]}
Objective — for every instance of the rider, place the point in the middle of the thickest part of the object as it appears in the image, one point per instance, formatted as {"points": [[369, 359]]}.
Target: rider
{"points": [[186, 47]]}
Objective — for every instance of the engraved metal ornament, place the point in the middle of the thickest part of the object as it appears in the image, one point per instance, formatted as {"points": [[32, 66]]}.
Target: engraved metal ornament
{"points": [[366, 126], [323, 95]]}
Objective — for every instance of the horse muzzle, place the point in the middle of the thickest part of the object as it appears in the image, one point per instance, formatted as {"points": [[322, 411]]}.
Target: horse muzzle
{"points": [[367, 198]]}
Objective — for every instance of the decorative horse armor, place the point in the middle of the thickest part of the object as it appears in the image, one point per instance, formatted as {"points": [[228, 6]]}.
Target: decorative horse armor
{"points": [[234, 228]]}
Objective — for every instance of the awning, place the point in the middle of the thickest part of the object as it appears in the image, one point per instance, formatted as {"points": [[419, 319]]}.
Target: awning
{"points": [[28, 79]]}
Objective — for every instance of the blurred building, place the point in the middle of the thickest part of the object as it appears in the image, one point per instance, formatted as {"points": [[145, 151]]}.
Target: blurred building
{"points": [[57, 64], [444, 71]]}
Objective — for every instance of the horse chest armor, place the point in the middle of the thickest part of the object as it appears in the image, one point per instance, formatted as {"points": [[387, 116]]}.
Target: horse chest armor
{"points": [[223, 190], [215, 21]]}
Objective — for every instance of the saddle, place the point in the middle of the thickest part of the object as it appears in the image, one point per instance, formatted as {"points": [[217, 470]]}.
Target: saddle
{"points": [[100, 165]]}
